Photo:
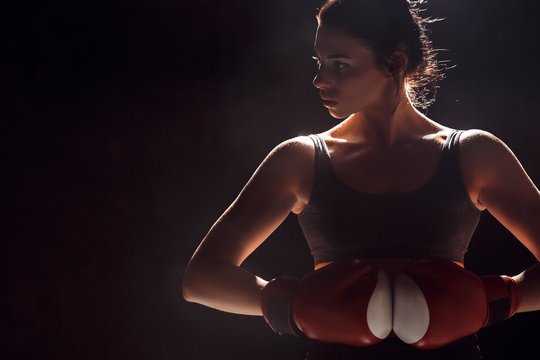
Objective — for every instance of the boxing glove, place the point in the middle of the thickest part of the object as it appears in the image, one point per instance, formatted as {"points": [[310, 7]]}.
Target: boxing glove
{"points": [[502, 295], [437, 302], [347, 302]]}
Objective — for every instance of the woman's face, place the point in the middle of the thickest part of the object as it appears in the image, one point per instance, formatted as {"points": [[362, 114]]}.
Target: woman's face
{"points": [[348, 76]]}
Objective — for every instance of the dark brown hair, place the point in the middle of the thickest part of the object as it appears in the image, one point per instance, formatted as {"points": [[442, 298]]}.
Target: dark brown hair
{"points": [[386, 26]]}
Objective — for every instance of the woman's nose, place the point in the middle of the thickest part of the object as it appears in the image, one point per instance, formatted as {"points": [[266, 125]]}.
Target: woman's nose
{"points": [[320, 81]]}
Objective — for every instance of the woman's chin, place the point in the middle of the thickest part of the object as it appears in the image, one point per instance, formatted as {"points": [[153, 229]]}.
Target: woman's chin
{"points": [[335, 113]]}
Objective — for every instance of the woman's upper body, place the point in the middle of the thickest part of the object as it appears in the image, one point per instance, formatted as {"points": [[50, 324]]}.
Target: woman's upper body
{"points": [[384, 146], [435, 219]]}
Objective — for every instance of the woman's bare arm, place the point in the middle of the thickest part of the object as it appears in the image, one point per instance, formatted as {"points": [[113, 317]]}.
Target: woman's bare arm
{"points": [[506, 191], [280, 185]]}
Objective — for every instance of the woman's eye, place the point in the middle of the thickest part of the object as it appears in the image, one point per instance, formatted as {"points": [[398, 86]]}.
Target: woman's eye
{"points": [[337, 64], [340, 65]]}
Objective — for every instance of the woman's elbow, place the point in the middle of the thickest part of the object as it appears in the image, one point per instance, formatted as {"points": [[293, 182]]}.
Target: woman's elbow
{"points": [[189, 285], [187, 293]]}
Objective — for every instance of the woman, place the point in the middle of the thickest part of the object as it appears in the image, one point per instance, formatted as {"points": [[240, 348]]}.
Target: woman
{"points": [[387, 186]]}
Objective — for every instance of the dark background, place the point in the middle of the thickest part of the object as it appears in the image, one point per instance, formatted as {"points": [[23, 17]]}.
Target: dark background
{"points": [[129, 126]]}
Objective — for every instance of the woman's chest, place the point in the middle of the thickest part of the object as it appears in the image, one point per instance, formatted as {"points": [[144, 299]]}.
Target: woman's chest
{"points": [[393, 170]]}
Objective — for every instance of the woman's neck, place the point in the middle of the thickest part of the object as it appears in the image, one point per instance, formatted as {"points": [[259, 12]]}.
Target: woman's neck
{"points": [[385, 127]]}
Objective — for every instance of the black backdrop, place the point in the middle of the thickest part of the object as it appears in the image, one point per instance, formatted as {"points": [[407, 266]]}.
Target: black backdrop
{"points": [[129, 126]]}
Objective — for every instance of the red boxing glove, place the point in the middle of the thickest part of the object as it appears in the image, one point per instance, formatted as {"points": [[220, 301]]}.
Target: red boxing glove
{"points": [[437, 302], [502, 295], [347, 302], [276, 305]]}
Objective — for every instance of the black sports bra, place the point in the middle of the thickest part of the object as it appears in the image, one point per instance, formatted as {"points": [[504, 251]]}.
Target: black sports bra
{"points": [[437, 219]]}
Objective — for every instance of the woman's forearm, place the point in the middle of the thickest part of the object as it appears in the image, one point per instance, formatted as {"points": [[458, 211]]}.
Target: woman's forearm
{"points": [[529, 286], [223, 286]]}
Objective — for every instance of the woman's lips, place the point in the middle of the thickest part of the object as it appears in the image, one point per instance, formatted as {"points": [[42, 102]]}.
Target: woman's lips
{"points": [[329, 103]]}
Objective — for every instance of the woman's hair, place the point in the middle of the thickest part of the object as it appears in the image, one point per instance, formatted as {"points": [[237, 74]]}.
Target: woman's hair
{"points": [[386, 26]]}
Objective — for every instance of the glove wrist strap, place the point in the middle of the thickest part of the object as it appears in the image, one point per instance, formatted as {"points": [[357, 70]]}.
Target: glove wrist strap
{"points": [[502, 295], [276, 305]]}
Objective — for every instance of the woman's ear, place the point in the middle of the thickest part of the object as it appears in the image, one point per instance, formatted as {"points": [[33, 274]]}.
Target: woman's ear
{"points": [[397, 63]]}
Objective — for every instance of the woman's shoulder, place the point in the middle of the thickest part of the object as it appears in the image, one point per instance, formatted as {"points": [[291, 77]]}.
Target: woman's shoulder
{"points": [[292, 163], [486, 153], [481, 144], [477, 135], [486, 158], [293, 151], [300, 143], [292, 155], [295, 156]]}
